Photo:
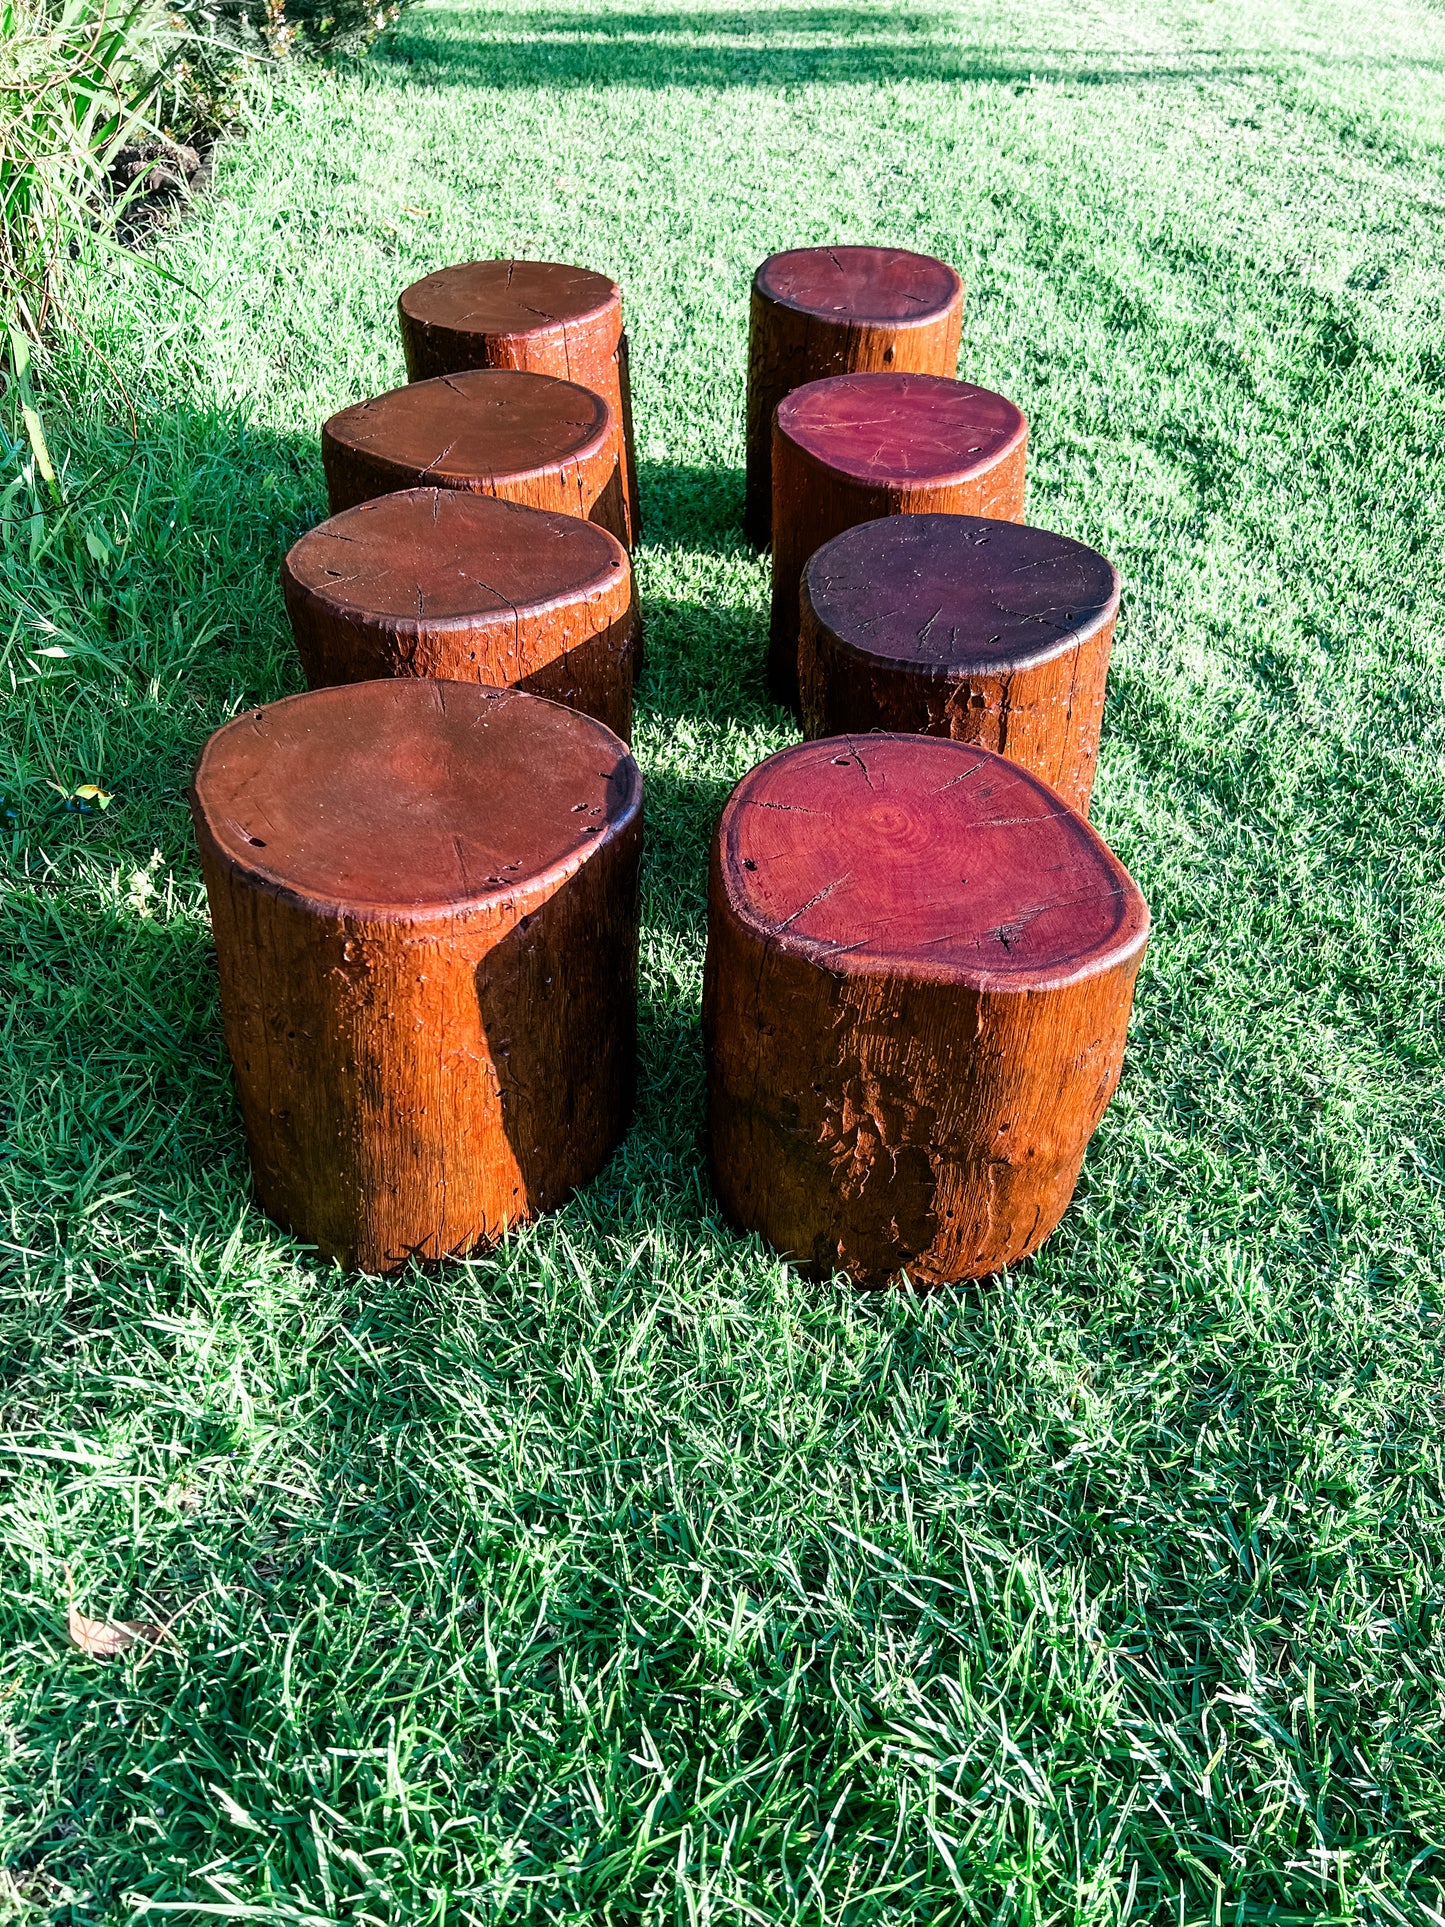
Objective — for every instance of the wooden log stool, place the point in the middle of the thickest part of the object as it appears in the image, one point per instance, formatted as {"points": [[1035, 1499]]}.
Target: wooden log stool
{"points": [[919, 971], [837, 311], [856, 447], [490, 431], [424, 898], [539, 315], [949, 625], [432, 582]]}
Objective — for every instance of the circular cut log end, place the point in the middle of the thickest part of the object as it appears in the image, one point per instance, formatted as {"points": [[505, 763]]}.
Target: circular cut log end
{"points": [[852, 448], [544, 317], [524, 437], [820, 312], [424, 898], [470, 588], [990, 632], [920, 968]]}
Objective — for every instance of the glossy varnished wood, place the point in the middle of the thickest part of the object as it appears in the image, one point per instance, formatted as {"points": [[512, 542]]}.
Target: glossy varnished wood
{"points": [[919, 973], [468, 588], [836, 311], [542, 316], [989, 632], [424, 899], [856, 447], [532, 439]]}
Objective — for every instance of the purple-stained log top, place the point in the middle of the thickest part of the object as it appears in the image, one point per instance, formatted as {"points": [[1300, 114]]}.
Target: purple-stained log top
{"points": [[484, 422], [871, 285], [912, 430], [959, 592], [411, 796], [433, 554], [508, 297], [916, 857]]}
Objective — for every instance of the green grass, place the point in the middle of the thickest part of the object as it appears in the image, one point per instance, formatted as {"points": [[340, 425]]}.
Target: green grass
{"points": [[621, 1575]]}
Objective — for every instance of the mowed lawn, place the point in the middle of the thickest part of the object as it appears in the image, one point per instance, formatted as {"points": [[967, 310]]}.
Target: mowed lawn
{"points": [[621, 1575]]}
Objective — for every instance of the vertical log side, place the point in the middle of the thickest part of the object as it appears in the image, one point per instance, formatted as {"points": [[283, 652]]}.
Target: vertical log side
{"points": [[786, 349], [889, 1128], [813, 503], [1047, 718], [582, 652], [412, 1089]]}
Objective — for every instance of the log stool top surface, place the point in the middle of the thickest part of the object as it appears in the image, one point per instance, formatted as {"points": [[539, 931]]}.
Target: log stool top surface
{"points": [[959, 593], [405, 797], [916, 856], [437, 553], [508, 297], [860, 283], [484, 421], [912, 430]]}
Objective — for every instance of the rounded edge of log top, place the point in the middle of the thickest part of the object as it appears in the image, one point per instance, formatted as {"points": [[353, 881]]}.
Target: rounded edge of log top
{"points": [[469, 588], [869, 285], [412, 799], [919, 972], [901, 430], [959, 593], [509, 297], [918, 858], [993, 633], [485, 429]]}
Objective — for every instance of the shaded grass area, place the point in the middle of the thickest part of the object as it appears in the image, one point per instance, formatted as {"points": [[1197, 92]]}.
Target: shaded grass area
{"points": [[620, 1575]]}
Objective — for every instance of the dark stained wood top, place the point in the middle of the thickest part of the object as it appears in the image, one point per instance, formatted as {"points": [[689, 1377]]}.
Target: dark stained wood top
{"points": [[959, 592], [411, 796], [860, 284], [914, 430], [508, 297], [433, 554], [483, 422], [919, 857]]}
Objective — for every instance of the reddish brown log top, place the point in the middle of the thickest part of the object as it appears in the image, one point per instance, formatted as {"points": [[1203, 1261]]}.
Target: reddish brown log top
{"points": [[928, 858], [863, 284], [485, 421], [434, 553], [408, 797], [960, 593], [915, 431], [509, 297]]}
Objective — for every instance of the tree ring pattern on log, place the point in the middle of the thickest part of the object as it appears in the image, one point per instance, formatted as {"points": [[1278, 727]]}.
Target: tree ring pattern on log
{"points": [[862, 285], [438, 582], [920, 967], [532, 439], [991, 632]]}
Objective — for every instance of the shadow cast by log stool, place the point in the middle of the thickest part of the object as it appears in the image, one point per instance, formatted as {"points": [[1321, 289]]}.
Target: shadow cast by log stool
{"points": [[690, 507]]}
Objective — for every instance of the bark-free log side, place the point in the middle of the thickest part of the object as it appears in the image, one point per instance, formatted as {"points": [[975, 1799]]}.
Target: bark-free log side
{"points": [[838, 311], [532, 439], [434, 582], [424, 899], [951, 625], [542, 316], [919, 972], [858, 447]]}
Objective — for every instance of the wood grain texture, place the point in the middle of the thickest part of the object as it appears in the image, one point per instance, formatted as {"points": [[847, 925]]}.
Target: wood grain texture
{"points": [[532, 439], [836, 311], [468, 588], [989, 632], [857, 447], [919, 972], [424, 899], [542, 316]]}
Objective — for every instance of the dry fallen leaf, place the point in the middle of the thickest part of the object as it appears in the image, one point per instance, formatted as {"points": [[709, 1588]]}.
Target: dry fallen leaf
{"points": [[421, 213], [106, 1638]]}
